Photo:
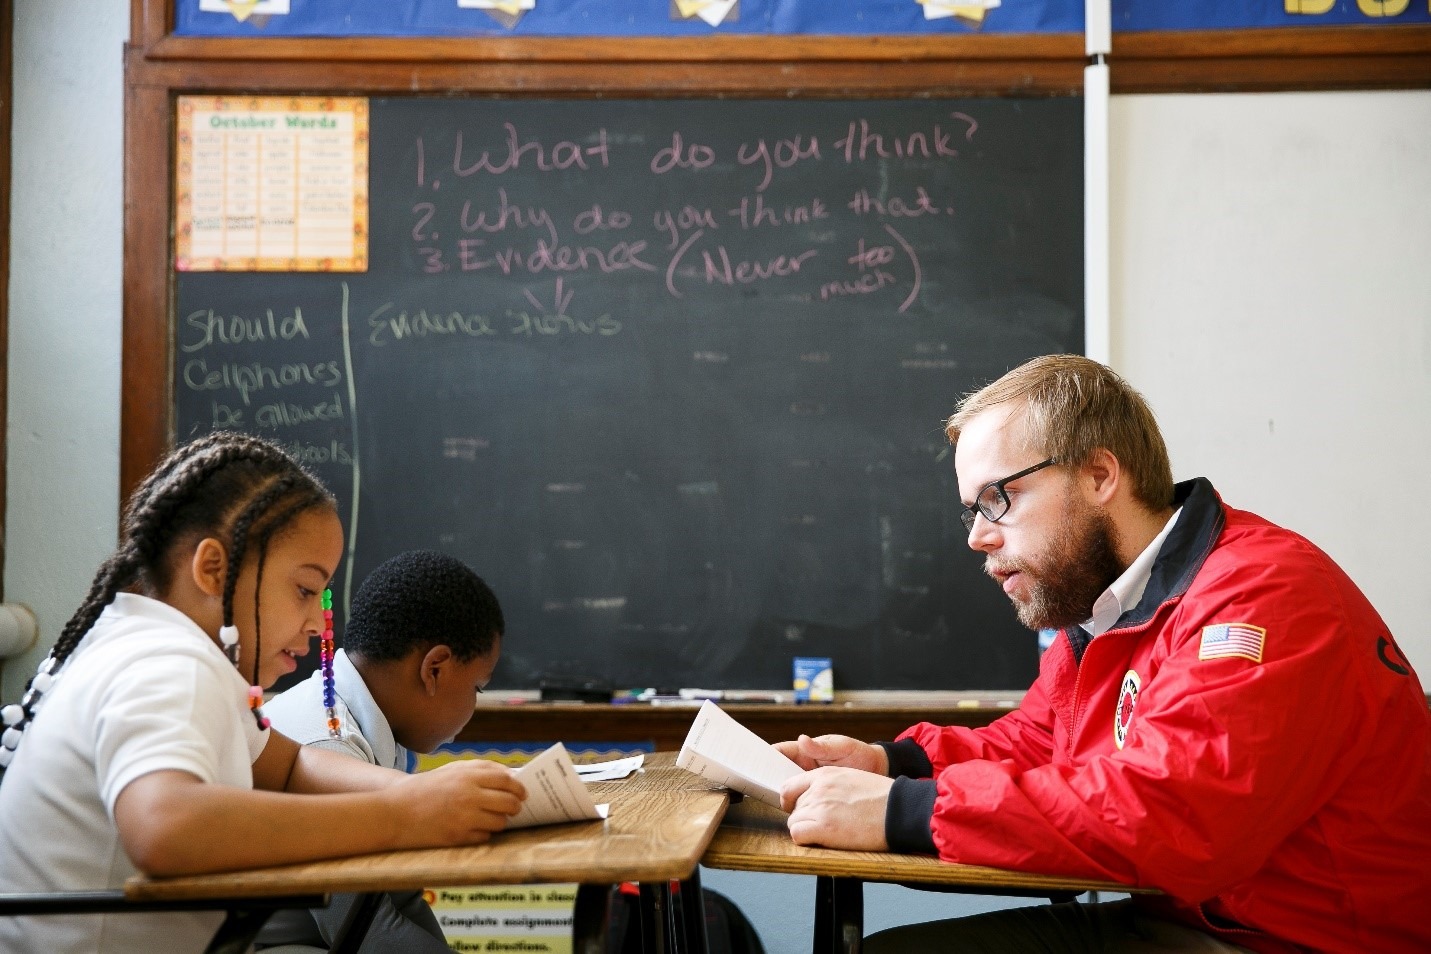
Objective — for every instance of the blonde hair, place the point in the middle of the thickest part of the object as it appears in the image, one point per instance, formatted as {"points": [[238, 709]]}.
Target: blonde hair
{"points": [[1071, 406]]}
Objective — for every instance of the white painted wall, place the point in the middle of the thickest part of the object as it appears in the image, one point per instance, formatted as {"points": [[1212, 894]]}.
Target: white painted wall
{"points": [[66, 220], [1272, 298]]}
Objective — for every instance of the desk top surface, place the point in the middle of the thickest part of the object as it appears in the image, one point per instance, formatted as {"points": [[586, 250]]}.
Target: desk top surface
{"points": [[753, 837], [661, 820]]}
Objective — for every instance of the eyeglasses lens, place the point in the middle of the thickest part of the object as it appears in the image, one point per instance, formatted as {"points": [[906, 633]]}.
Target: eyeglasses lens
{"points": [[993, 503]]}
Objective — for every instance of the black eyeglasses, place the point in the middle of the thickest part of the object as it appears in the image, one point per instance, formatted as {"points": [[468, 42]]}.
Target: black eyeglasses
{"points": [[992, 501]]}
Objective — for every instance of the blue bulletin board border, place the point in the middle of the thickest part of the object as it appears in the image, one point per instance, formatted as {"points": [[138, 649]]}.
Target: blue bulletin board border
{"points": [[657, 18], [1140, 15], [606, 18]]}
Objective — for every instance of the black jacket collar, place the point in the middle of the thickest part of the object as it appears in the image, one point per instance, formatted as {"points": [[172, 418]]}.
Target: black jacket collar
{"points": [[1184, 551]]}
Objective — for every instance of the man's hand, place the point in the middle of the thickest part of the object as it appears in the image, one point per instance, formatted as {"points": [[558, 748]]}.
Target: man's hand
{"points": [[837, 808], [838, 750]]}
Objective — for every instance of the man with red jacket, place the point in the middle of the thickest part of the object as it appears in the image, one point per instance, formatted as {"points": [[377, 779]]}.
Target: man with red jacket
{"points": [[1224, 717]]}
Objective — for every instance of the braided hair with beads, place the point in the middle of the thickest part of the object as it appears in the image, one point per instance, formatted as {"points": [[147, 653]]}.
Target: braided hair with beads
{"points": [[224, 485]]}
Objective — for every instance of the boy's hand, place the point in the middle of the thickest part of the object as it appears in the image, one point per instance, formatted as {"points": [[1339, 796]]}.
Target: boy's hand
{"points": [[460, 803], [838, 750]]}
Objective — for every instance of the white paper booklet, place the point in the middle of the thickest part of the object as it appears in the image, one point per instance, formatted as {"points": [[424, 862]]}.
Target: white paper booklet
{"points": [[722, 750], [555, 793], [609, 771]]}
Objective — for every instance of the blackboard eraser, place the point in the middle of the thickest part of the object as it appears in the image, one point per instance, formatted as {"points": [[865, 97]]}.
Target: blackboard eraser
{"points": [[753, 697], [575, 692]]}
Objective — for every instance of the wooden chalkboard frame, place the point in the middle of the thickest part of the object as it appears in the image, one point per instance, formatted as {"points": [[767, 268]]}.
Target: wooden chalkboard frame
{"points": [[160, 66]]}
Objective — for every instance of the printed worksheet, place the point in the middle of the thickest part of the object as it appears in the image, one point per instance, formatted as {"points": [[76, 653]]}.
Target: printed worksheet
{"points": [[722, 750], [555, 792], [611, 770]]}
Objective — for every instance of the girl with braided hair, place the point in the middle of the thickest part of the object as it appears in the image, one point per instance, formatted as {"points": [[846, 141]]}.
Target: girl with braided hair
{"points": [[140, 744]]}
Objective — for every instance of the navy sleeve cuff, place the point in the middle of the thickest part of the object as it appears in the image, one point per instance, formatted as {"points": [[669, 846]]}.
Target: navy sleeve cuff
{"points": [[908, 816], [907, 759]]}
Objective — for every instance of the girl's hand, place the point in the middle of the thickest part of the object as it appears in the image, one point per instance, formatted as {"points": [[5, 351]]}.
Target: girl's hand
{"points": [[460, 803]]}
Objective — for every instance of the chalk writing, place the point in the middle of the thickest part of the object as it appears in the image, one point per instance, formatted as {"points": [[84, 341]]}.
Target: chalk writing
{"points": [[689, 217], [389, 323], [680, 156], [199, 375], [506, 214], [896, 206], [595, 219], [475, 255], [863, 141], [287, 414], [333, 452], [753, 213], [784, 154], [210, 328], [721, 269], [529, 325], [565, 154], [464, 448]]}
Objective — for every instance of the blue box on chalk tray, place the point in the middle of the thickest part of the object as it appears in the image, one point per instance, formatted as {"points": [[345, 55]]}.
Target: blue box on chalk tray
{"points": [[814, 679]]}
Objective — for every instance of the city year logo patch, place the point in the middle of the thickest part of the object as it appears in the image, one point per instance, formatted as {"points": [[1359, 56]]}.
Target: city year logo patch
{"points": [[1127, 699]]}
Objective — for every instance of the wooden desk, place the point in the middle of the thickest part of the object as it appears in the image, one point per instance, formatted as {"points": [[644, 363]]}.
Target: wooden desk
{"points": [[661, 821], [753, 837]]}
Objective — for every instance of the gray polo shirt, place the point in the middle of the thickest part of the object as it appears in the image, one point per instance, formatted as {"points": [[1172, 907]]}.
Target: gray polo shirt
{"points": [[365, 734], [403, 922]]}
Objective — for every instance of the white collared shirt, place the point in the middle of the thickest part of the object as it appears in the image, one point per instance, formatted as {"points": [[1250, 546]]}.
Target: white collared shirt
{"points": [[146, 691], [1125, 591]]}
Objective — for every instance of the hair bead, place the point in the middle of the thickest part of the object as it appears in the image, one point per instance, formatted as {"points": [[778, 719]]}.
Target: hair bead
{"points": [[326, 652], [255, 703], [229, 637], [17, 717]]}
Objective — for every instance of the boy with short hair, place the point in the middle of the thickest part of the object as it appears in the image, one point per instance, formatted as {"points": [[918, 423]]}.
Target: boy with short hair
{"points": [[422, 640]]}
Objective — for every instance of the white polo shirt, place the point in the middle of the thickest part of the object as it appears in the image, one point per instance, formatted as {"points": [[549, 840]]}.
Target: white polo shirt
{"points": [[146, 690]]}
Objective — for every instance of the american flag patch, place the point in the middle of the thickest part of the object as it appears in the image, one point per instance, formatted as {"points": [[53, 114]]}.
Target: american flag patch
{"points": [[1232, 639]]}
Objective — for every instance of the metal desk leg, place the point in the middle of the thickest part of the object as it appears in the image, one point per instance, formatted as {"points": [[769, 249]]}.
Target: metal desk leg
{"points": [[354, 929], [240, 927], [656, 918], [839, 915], [591, 919], [691, 916], [241, 923]]}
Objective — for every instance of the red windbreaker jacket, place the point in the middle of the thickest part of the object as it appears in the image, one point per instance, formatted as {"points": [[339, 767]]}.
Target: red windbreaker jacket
{"points": [[1248, 739]]}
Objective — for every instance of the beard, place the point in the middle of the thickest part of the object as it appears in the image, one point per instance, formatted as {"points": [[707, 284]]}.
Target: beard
{"points": [[1066, 579]]}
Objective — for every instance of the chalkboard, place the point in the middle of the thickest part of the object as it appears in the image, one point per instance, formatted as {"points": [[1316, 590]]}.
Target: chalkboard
{"points": [[670, 375]]}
